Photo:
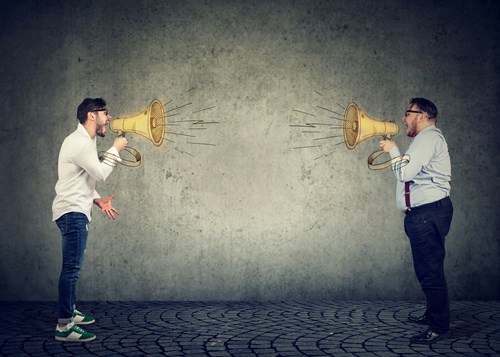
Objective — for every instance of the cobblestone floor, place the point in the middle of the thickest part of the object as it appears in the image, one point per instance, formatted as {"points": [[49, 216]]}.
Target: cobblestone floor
{"points": [[241, 329]]}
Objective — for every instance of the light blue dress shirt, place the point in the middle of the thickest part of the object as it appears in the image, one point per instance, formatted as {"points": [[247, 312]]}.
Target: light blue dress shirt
{"points": [[428, 169]]}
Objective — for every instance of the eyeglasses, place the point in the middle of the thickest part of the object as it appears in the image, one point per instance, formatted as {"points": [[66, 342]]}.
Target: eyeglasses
{"points": [[101, 110], [408, 111]]}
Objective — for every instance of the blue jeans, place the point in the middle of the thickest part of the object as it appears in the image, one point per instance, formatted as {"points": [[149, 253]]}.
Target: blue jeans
{"points": [[426, 228], [74, 231]]}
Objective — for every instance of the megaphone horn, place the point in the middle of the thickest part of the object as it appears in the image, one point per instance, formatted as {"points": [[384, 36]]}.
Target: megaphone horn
{"points": [[150, 123], [358, 127]]}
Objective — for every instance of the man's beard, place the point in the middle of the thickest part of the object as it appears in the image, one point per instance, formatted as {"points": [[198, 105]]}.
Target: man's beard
{"points": [[99, 130], [412, 130]]}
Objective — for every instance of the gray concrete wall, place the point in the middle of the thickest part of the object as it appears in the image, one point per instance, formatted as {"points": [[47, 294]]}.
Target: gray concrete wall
{"points": [[249, 216]]}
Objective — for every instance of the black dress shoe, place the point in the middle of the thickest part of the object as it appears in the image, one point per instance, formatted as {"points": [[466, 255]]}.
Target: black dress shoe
{"points": [[427, 337], [423, 320]]}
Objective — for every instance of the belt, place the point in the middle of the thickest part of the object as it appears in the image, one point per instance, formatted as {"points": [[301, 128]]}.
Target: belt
{"points": [[435, 204]]}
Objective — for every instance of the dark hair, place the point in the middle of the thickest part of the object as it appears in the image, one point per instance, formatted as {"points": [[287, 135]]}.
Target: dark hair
{"points": [[89, 105], [426, 106]]}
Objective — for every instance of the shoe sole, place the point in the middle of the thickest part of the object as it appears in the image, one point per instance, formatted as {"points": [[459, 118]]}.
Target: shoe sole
{"points": [[441, 337], [64, 339], [84, 322]]}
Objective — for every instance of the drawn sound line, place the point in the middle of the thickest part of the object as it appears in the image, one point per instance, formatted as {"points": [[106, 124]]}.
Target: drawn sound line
{"points": [[320, 129], [186, 124]]}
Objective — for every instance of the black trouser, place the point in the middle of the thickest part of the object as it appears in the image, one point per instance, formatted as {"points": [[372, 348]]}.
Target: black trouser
{"points": [[426, 227]]}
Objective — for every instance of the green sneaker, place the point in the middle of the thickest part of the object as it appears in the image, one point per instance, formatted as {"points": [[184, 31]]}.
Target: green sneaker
{"points": [[81, 319], [73, 333]]}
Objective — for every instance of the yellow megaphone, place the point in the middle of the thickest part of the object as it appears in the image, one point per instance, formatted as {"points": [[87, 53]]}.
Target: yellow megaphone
{"points": [[150, 123], [358, 127]]}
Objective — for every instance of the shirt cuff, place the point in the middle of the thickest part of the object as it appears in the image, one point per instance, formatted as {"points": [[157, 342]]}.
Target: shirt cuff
{"points": [[112, 156], [394, 152]]}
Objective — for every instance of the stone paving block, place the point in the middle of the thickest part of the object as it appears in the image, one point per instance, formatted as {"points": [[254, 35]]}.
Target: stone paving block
{"points": [[388, 354], [237, 329]]}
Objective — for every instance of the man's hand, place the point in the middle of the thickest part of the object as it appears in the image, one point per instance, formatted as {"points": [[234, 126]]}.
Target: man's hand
{"points": [[106, 206], [387, 145], [120, 143]]}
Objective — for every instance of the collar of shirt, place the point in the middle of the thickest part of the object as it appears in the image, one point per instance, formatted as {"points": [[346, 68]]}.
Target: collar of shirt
{"points": [[81, 130]]}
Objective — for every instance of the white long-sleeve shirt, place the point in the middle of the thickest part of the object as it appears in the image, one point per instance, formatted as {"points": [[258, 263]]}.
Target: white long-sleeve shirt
{"points": [[428, 169], [79, 169]]}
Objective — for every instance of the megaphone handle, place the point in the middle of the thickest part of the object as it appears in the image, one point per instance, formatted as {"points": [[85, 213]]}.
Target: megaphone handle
{"points": [[136, 155], [400, 160], [372, 158], [374, 155]]}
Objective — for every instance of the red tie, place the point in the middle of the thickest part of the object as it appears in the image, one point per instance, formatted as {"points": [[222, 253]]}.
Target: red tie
{"points": [[407, 195]]}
